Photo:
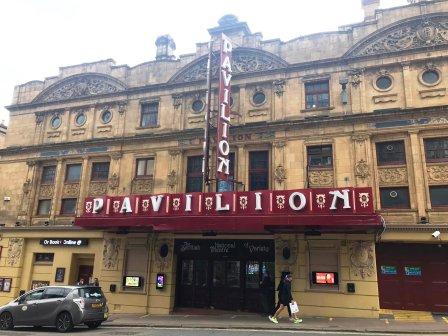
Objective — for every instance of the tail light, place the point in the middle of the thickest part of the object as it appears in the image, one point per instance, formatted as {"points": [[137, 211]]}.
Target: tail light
{"points": [[80, 303]]}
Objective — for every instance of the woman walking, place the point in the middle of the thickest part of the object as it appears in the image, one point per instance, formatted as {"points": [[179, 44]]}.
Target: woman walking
{"points": [[284, 299]]}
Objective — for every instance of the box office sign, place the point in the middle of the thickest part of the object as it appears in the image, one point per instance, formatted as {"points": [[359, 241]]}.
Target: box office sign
{"points": [[327, 201], [69, 242]]}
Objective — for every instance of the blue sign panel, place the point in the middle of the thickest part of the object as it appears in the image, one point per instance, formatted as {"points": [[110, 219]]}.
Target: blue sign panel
{"points": [[413, 270], [389, 270]]}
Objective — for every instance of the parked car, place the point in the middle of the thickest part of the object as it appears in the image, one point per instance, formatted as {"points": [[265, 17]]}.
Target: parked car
{"points": [[59, 306]]}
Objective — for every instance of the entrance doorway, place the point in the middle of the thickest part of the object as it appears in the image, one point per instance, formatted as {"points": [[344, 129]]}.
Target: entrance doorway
{"points": [[226, 274], [81, 268], [85, 272]]}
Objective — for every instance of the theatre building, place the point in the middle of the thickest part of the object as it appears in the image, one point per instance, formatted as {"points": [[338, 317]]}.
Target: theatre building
{"points": [[338, 165]]}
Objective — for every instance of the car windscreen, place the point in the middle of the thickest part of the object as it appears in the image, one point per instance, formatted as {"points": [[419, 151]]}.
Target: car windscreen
{"points": [[90, 293]]}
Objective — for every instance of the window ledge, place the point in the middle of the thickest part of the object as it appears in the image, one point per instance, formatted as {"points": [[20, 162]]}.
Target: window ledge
{"points": [[326, 290], [318, 109], [325, 168], [43, 263], [391, 210], [442, 208], [147, 127]]}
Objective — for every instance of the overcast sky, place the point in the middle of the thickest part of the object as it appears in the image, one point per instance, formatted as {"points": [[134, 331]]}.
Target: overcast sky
{"points": [[39, 36]]}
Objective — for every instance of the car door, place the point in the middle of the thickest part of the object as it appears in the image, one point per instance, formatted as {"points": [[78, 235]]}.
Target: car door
{"points": [[26, 311], [49, 306]]}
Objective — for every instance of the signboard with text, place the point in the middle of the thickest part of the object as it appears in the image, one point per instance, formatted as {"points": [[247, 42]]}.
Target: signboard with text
{"points": [[248, 211]]}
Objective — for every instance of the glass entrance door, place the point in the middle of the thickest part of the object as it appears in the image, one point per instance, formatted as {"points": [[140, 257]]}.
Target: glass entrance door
{"points": [[193, 287], [226, 285], [259, 286]]}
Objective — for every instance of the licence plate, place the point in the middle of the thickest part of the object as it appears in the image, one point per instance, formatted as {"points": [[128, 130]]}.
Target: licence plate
{"points": [[97, 305]]}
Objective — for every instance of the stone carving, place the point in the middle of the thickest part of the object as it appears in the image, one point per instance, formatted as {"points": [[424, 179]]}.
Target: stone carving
{"points": [[362, 169], [177, 101], [39, 118], [71, 189], [122, 107], [280, 174], [387, 98], [243, 60], [142, 186], [393, 175], [432, 93], [438, 173], [355, 77], [291, 244], [110, 253], [26, 187], [174, 152], [114, 181], [360, 138], [116, 155], [46, 190], [361, 258], [15, 251], [98, 188], [163, 262], [172, 179], [429, 31], [279, 87], [80, 86], [320, 178], [279, 143]]}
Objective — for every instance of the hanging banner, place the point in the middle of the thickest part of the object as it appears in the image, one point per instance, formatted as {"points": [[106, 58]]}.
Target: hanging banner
{"points": [[223, 123]]}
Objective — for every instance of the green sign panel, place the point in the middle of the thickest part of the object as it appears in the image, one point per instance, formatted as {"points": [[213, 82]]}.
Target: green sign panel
{"points": [[389, 270], [413, 270]]}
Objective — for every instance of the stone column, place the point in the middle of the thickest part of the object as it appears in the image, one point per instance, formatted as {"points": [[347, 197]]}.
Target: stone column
{"points": [[174, 169], [357, 90], [407, 84], [417, 176], [84, 185], [58, 185], [362, 159], [278, 101], [114, 174]]}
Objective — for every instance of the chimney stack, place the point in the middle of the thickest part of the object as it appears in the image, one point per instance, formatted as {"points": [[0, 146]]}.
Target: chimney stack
{"points": [[369, 7]]}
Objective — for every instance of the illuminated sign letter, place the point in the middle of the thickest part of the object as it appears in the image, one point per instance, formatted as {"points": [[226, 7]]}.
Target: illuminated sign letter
{"points": [[98, 204], [292, 199], [219, 206], [156, 201], [126, 205]]}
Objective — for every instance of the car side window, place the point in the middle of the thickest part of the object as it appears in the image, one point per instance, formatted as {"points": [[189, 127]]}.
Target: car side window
{"points": [[55, 293], [36, 295]]}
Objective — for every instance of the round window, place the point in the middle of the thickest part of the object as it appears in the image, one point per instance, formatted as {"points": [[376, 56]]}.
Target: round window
{"points": [[80, 119], [384, 82], [56, 121], [106, 116], [259, 98], [198, 105], [430, 77]]}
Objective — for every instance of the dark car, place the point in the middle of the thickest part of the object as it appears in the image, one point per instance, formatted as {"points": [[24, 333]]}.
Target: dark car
{"points": [[59, 306]]}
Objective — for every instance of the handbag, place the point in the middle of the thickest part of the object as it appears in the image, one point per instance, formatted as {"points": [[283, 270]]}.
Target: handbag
{"points": [[294, 307]]}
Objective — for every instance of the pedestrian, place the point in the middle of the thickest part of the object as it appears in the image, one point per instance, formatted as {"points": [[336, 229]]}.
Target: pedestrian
{"points": [[266, 289], [80, 282], [96, 283], [284, 300]]}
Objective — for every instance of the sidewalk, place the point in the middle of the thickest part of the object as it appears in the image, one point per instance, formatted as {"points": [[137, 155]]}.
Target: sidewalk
{"points": [[252, 321]]}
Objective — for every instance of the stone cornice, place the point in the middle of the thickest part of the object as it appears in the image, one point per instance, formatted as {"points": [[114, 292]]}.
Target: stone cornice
{"points": [[251, 127]]}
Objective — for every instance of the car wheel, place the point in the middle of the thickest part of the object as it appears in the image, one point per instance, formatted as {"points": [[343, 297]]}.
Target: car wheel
{"points": [[64, 322], [6, 321], [93, 325]]}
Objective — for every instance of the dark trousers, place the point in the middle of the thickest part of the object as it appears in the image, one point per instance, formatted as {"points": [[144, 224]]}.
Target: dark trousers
{"points": [[278, 306]]}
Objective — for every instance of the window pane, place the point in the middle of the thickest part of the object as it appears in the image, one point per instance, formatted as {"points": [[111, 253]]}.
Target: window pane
{"points": [[394, 197], [141, 167], [68, 206], [439, 195], [48, 174], [219, 272], [317, 94], [200, 270], [149, 114], [436, 149], [187, 272], [258, 170], [392, 152], [252, 274], [320, 156], [100, 171], [149, 167], [44, 207], [73, 173], [44, 257], [233, 274], [194, 174]]}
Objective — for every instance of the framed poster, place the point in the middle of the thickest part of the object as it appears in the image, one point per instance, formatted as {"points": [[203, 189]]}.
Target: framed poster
{"points": [[60, 274], [1, 284], [39, 283], [7, 284]]}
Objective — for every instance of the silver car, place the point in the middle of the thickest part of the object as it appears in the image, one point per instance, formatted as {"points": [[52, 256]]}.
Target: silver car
{"points": [[61, 306]]}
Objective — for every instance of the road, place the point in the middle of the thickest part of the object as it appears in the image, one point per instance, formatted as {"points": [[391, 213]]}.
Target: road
{"points": [[144, 331]]}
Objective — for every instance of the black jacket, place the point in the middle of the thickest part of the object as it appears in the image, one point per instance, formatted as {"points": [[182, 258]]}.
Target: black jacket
{"points": [[284, 292]]}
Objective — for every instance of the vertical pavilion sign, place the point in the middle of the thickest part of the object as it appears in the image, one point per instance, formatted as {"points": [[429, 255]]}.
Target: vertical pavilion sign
{"points": [[223, 123]]}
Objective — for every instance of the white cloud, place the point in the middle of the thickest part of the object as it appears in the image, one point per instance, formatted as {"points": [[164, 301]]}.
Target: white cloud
{"points": [[39, 36]]}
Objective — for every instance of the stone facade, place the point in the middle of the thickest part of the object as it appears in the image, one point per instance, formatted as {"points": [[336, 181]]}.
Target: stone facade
{"points": [[3, 130], [398, 43]]}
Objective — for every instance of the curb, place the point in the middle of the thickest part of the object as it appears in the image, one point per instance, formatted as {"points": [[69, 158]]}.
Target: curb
{"points": [[262, 327]]}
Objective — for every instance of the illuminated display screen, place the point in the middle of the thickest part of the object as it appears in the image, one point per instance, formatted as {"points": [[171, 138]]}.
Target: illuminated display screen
{"points": [[160, 283], [325, 278], [132, 281]]}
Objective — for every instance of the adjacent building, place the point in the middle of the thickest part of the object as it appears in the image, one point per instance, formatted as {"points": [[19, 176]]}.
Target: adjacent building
{"points": [[352, 123]]}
